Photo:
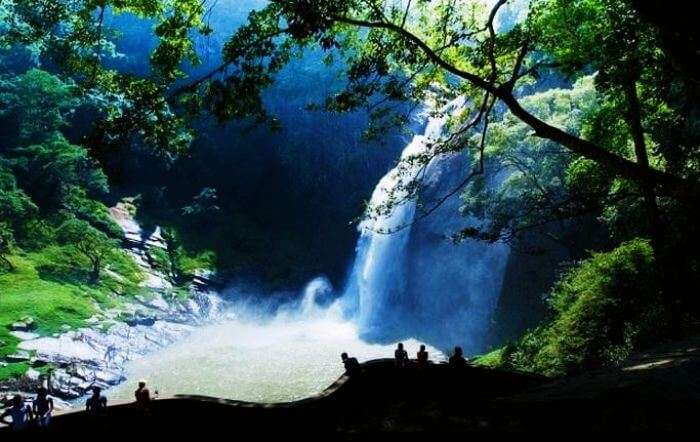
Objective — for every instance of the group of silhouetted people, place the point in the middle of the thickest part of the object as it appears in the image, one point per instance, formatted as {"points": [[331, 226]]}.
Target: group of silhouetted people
{"points": [[23, 415], [401, 359], [39, 412]]}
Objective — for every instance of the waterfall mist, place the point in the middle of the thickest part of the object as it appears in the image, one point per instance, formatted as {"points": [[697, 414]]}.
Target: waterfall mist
{"points": [[261, 350]]}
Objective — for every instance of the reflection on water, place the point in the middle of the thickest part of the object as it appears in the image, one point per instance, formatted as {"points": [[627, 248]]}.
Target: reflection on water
{"points": [[289, 357]]}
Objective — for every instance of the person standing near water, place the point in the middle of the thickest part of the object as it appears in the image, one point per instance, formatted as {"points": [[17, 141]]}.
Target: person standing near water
{"points": [[422, 357], [457, 359], [43, 407], [20, 413], [143, 397], [400, 356], [352, 367], [97, 404]]}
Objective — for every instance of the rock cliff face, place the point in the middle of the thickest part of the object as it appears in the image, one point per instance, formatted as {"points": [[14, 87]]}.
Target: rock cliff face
{"points": [[97, 353]]}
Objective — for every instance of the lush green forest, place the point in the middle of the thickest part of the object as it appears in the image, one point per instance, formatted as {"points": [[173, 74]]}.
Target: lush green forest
{"points": [[581, 117]]}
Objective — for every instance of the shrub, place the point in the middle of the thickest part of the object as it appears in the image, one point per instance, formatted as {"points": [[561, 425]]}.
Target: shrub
{"points": [[602, 309], [36, 234]]}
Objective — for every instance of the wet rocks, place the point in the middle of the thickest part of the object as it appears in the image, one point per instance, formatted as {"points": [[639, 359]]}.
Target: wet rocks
{"points": [[74, 361], [20, 356], [26, 324], [147, 321], [87, 357], [23, 335]]}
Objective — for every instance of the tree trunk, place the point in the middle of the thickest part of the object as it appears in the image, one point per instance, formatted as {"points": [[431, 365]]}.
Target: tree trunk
{"points": [[8, 263], [95, 273], [634, 120]]}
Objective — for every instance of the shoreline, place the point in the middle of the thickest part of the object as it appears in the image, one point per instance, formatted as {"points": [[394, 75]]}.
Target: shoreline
{"points": [[652, 390], [91, 356], [70, 362]]}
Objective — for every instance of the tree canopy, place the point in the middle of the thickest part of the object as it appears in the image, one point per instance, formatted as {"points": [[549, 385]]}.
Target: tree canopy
{"points": [[409, 50]]}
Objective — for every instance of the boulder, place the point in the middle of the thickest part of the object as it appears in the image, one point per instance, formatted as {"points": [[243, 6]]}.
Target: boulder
{"points": [[108, 377], [141, 320], [32, 374], [24, 335], [39, 361], [25, 324], [29, 322], [19, 326], [67, 393], [20, 356], [159, 303]]}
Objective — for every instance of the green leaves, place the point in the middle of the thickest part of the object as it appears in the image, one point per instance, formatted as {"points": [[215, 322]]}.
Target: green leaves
{"points": [[602, 309], [179, 19], [539, 181], [89, 243], [75, 38], [52, 169], [138, 111], [15, 205], [43, 176], [39, 101], [7, 242]]}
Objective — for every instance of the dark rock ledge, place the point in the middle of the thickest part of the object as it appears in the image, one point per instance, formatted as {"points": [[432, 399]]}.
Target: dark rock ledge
{"points": [[657, 390]]}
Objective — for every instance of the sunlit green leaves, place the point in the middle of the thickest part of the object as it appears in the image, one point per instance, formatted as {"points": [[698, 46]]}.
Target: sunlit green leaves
{"points": [[39, 101], [75, 37], [539, 181]]}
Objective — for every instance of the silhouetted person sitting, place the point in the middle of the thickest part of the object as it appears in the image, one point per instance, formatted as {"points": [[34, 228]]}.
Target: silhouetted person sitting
{"points": [[457, 359], [422, 357], [400, 356], [20, 413], [352, 367], [43, 407], [143, 397], [97, 404]]}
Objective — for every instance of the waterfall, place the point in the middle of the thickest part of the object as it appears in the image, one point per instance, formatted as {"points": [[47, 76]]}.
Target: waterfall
{"points": [[415, 282]]}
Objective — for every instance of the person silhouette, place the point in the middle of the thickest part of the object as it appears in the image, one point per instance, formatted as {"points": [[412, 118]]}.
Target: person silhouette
{"points": [[143, 396], [400, 356], [352, 367], [422, 357], [43, 407], [20, 413], [96, 405], [457, 359]]}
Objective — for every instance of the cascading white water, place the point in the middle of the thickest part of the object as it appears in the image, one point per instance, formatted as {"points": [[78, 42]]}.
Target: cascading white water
{"points": [[317, 288], [379, 274], [413, 285], [415, 282]]}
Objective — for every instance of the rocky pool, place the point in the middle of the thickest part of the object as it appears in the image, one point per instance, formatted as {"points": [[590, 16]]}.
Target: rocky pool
{"points": [[286, 357]]}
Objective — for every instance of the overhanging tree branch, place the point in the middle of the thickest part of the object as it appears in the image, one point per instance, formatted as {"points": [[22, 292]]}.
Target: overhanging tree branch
{"points": [[666, 183]]}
